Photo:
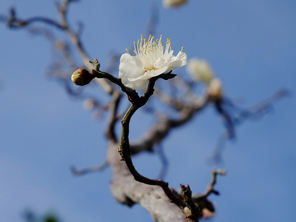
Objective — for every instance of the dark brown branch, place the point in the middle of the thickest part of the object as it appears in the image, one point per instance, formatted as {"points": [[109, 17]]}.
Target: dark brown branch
{"points": [[132, 94], [206, 207], [192, 211], [124, 148], [18, 23], [128, 191], [113, 107]]}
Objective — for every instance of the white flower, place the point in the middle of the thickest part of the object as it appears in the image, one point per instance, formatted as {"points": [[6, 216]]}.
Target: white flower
{"points": [[200, 70], [151, 60], [173, 3]]}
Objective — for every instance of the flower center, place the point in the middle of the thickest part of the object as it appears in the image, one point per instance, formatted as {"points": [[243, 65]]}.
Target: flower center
{"points": [[150, 68], [149, 51]]}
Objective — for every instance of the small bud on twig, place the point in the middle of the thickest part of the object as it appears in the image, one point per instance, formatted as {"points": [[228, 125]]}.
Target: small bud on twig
{"points": [[81, 77], [215, 89], [95, 64]]}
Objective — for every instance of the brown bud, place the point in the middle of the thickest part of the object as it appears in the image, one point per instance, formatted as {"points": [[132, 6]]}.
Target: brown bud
{"points": [[215, 89], [206, 213], [81, 77]]}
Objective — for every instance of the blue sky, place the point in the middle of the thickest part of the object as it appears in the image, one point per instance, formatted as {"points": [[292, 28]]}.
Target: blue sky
{"points": [[251, 46]]}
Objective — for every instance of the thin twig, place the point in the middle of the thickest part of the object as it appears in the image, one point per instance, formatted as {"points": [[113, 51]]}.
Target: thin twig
{"points": [[258, 110], [63, 8], [18, 23], [172, 102], [201, 199], [89, 169], [164, 161], [113, 107]]}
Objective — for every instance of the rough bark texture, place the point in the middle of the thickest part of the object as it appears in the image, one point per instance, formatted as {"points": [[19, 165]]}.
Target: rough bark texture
{"points": [[128, 191]]}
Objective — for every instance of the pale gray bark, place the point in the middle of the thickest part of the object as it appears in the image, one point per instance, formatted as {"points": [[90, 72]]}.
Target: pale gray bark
{"points": [[128, 191]]}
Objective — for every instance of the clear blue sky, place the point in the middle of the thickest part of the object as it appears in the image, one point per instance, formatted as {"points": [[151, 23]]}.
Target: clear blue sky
{"points": [[251, 46]]}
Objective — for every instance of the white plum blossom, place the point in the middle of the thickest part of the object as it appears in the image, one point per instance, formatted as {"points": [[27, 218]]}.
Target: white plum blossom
{"points": [[151, 59], [200, 70], [173, 3]]}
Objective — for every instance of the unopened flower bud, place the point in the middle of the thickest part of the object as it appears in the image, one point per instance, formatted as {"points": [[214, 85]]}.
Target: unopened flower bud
{"points": [[200, 70], [215, 90], [221, 172], [206, 213], [81, 77], [187, 211], [173, 3]]}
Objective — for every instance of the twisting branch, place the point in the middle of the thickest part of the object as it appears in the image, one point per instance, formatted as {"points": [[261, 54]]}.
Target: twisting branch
{"points": [[124, 183], [113, 107], [206, 206], [97, 73], [210, 189], [124, 147]]}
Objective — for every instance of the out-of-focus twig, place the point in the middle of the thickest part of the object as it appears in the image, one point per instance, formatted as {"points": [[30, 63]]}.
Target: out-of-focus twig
{"points": [[235, 119], [151, 26], [164, 161], [89, 169], [165, 124], [172, 102], [14, 22], [63, 8], [201, 199]]}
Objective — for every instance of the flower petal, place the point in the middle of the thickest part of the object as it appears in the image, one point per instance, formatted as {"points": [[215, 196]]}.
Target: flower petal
{"points": [[183, 57], [157, 72], [130, 66], [139, 84]]}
